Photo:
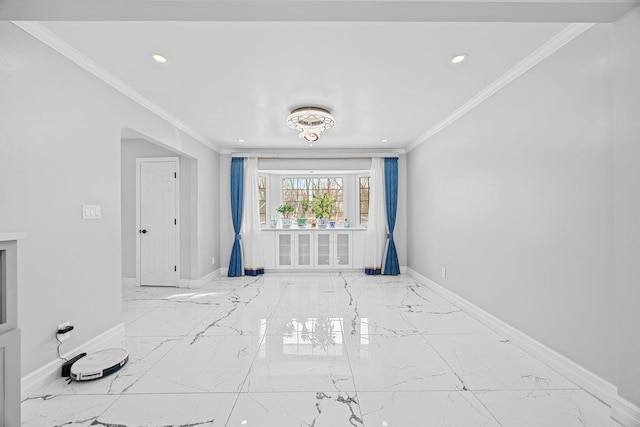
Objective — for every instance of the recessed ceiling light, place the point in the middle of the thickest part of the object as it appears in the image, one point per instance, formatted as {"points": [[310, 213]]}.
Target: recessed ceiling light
{"points": [[384, 140], [159, 58], [243, 422], [241, 140], [458, 58]]}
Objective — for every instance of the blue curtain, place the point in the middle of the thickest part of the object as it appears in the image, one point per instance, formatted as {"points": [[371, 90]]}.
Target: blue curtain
{"points": [[237, 185], [391, 265]]}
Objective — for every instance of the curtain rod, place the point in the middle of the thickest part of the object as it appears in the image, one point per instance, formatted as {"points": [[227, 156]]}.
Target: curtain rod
{"points": [[270, 156]]}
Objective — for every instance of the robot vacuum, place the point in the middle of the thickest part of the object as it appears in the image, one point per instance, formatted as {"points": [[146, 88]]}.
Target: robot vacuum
{"points": [[99, 364]]}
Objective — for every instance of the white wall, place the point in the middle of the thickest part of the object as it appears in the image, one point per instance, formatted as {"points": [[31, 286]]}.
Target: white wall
{"points": [[61, 131], [627, 195], [515, 199], [131, 150]]}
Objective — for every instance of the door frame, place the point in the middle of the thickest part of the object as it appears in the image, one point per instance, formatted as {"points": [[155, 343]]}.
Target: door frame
{"points": [[139, 162]]}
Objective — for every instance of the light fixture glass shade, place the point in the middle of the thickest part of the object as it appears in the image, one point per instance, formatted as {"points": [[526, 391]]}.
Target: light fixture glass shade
{"points": [[310, 122]]}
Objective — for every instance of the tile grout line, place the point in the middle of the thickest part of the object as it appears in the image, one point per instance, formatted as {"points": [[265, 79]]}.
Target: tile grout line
{"points": [[464, 385], [264, 336], [346, 348], [481, 321]]}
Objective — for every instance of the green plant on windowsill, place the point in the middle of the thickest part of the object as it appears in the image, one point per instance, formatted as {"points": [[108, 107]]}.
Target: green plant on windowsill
{"points": [[304, 207], [286, 210], [323, 207]]}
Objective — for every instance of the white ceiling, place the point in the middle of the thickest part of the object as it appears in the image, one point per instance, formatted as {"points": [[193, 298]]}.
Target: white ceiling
{"points": [[239, 80]]}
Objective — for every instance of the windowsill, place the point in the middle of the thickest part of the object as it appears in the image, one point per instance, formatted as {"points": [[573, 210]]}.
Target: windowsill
{"points": [[293, 228]]}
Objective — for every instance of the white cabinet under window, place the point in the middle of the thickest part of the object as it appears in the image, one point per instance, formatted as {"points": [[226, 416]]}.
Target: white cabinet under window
{"points": [[342, 249], [285, 249], [304, 249], [317, 248], [324, 249]]}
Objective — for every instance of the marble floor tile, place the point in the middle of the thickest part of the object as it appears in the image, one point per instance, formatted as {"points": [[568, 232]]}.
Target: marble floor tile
{"points": [[385, 363], [144, 352], [312, 349], [201, 364], [314, 361], [131, 314], [143, 303], [448, 320], [233, 321], [489, 362], [386, 290], [431, 408], [67, 410], [565, 408], [192, 409], [152, 292], [375, 320], [177, 320], [317, 409]]}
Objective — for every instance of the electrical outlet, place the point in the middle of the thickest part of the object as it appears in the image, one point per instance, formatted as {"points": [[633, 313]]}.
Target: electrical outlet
{"points": [[213, 260], [63, 337], [444, 273]]}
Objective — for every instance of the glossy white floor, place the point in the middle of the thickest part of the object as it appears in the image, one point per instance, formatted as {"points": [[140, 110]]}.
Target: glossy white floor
{"points": [[313, 350]]}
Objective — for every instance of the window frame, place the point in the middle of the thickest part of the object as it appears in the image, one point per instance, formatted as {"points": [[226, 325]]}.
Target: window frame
{"points": [[358, 213]]}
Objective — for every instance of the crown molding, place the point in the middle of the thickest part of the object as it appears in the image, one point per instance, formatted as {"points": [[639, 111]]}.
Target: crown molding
{"points": [[554, 44], [62, 47], [313, 154]]}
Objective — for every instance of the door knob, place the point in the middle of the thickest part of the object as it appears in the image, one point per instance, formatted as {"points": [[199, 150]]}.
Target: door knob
{"points": [[143, 231]]}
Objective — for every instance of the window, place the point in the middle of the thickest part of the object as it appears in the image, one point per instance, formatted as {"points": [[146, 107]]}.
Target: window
{"points": [[363, 199], [296, 189], [262, 198]]}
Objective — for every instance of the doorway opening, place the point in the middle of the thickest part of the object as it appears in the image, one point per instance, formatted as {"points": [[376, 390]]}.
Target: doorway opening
{"points": [[178, 266]]}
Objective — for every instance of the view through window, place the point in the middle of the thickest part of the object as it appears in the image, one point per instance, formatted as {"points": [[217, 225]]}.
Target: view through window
{"points": [[363, 199], [262, 201], [297, 189]]}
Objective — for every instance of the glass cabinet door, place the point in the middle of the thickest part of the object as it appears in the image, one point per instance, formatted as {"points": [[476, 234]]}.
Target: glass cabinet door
{"points": [[304, 249], [324, 250], [343, 249], [284, 249]]}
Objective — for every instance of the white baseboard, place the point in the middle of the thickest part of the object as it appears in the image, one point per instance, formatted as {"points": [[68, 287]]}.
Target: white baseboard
{"points": [[222, 271], [51, 371], [625, 412], [129, 281], [403, 269], [621, 409]]}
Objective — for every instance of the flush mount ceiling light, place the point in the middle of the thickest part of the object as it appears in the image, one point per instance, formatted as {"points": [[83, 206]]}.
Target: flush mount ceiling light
{"points": [[310, 122], [159, 58], [458, 58]]}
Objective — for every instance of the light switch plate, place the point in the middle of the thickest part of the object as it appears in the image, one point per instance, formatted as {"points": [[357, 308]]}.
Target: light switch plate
{"points": [[91, 212]]}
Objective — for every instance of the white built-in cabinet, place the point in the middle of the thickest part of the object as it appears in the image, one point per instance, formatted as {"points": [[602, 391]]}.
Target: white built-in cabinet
{"points": [[9, 332], [304, 249], [284, 249], [314, 249], [343, 249]]}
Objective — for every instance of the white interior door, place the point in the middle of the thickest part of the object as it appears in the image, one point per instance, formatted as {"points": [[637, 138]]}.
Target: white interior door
{"points": [[157, 223]]}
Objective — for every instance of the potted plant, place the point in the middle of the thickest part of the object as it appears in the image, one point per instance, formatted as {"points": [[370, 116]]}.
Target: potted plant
{"points": [[322, 207], [304, 207], [286, 210]]}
